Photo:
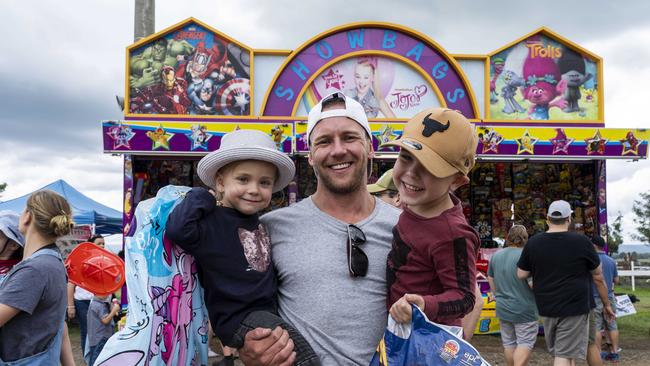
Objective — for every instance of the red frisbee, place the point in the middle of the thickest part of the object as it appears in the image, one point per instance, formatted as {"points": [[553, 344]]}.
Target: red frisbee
{"points": [[95, 269]]}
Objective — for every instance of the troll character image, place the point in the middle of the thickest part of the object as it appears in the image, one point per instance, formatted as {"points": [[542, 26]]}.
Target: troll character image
{"points": [[572, 68], [497, 68], [508, 92], [542, 86]]}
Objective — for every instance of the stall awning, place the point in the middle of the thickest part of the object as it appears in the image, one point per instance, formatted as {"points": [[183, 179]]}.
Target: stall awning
{"points": [[85, 211]]}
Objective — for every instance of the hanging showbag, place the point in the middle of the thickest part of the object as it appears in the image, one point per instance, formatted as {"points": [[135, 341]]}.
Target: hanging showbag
{"points": [[424, 343]]}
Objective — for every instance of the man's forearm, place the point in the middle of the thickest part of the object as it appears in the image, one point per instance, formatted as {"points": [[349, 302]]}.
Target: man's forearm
{"points": [[601, 287]]}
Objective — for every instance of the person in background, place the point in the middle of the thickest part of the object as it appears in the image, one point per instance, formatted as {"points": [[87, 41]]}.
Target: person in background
{"points": [[11, 242], [32, 295], [515, 302], [601, 322], [100, 324], [562, 283], [385, 189], [79, 300]]}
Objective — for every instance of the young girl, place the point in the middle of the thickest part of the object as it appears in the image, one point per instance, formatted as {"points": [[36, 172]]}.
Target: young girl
{"points": [[32, 296], [11, 242], [367, 89], [228, 241]]}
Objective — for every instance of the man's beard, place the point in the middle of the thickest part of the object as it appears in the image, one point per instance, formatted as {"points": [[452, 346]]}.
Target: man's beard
{"points": [[352, 185]]}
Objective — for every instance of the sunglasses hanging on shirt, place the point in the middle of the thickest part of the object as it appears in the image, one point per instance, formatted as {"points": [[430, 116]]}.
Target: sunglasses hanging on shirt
{"points": [[357, 258]]}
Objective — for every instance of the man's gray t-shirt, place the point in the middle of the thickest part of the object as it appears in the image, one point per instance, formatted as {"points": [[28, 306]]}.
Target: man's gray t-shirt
{"points": [[96, 329], [37, 287], [342, 318], [515, 300]]}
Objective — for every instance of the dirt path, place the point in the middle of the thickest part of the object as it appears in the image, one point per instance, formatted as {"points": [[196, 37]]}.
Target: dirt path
{"points": [[636, 352]]}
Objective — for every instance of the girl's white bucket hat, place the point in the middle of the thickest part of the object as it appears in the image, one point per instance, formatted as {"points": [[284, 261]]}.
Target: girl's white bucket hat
{"points": [[246, 145]]}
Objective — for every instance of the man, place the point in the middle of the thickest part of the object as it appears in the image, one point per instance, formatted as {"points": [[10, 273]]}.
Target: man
{"points": [[330, 249], [610, 273], [562, 264]]}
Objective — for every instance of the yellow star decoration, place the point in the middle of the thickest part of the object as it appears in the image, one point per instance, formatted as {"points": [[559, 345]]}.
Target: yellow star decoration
{"points": [[526, 144], [160, 138]]}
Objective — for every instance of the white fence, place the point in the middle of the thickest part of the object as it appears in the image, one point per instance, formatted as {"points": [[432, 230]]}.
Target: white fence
{"points": [[634, 272]]}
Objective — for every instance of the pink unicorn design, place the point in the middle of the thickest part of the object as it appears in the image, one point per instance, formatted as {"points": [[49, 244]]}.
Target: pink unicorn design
{"points": [[172, 308]]}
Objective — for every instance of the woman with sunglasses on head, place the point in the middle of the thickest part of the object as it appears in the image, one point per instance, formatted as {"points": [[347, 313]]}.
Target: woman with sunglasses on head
{"points": [[32, 293]]}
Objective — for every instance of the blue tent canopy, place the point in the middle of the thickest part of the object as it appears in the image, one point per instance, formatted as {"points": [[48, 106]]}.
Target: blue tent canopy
{"points": [[85, 211]]}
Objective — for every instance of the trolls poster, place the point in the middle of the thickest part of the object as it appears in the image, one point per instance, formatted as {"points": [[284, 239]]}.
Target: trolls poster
{"points": [[540, 79]]}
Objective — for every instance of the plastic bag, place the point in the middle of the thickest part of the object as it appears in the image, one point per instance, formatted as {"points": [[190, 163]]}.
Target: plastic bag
{"points": [[424, 343]]}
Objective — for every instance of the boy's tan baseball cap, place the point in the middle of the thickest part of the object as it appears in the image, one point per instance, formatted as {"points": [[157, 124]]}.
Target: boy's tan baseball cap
{"points": [[442, 140]]}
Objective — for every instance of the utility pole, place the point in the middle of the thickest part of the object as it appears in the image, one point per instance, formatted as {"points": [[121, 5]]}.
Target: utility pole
{"points": [[145, 18]]}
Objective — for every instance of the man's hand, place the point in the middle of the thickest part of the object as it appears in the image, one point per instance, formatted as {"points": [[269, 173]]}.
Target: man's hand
{"points": [[266, 347], [609, 313], [71, 312], [401, 310]]}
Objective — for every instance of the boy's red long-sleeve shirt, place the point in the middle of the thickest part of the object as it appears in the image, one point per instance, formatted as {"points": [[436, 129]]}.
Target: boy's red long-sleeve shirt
{"points": [[435, 258]]}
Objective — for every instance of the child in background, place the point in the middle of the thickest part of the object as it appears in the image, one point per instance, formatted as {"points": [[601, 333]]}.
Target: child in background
{"points": [[231, 246], [100, 324], [433, 260], [11, 242]]}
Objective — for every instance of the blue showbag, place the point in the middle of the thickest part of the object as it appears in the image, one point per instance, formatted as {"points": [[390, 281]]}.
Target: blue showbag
{"points": [[167, 321], [424, 343]]}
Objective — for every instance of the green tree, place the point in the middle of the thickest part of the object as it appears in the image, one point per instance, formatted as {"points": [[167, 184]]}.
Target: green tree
{"points": [[615, 234], [3, 186], [641, 209]]}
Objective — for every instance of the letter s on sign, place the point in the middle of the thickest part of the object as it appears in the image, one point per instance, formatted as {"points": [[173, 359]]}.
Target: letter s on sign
{"points": [[458, 94]]}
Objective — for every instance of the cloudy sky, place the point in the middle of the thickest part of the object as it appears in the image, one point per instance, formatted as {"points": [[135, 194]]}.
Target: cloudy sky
{"points": [[62, 63]]}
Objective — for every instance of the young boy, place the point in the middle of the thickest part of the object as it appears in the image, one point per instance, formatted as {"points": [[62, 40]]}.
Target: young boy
{"points": [[100, 324], [433, 260]]}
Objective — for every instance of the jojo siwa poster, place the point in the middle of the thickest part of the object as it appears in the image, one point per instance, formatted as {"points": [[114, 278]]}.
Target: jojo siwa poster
{"points": [[386, 88]]}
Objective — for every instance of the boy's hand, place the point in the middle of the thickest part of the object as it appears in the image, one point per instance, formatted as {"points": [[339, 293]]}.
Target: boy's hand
{"points": [[401, 310]]}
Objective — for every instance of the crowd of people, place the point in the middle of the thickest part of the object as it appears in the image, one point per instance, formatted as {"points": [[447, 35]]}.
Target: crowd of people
{"points": [[314, 283]]}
